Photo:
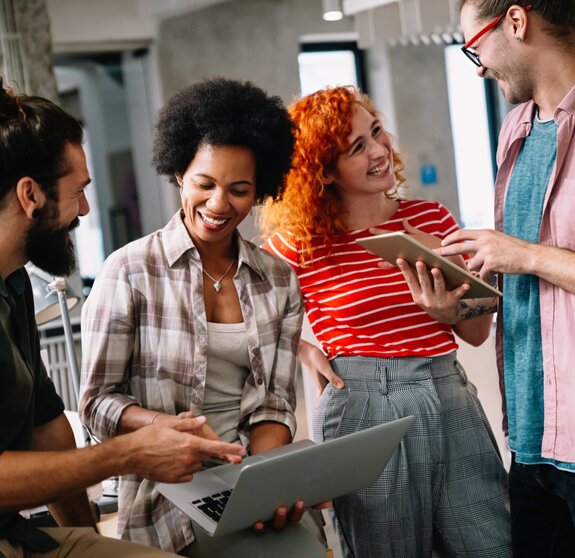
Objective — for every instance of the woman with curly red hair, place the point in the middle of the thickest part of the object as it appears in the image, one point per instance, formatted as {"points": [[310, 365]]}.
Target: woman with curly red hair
{"points": [[388, 342]]}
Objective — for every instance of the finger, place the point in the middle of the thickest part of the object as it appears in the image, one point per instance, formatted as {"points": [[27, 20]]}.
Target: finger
{"points": [[231, 458], [457, 249], [336, 381], [332, 377], [197, 426], [208, 432], [213, 448], [423, 277], [297, 512], [376, 230], [386, 265], [323, 505], [438, 281], [172, 479], [461, 235], [280, 518], [476, 265], [189, 424], [227, 458], [461, 290], [409, 227], [410, 277]]}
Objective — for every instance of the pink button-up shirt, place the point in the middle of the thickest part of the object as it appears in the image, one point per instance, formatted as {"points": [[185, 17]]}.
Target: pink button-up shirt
{"points": [[557, 305]]}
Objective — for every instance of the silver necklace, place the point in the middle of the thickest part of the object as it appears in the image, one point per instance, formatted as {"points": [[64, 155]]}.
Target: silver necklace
{"points": [[218, 282]]}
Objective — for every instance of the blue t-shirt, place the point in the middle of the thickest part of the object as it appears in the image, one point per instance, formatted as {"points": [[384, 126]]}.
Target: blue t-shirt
{"points": [[522, 349]]}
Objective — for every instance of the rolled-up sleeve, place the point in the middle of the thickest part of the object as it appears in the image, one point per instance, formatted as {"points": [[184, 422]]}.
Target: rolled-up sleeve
{"points": [[108, 334]]}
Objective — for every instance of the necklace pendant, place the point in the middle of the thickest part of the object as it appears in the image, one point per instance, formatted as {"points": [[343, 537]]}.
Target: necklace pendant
{"points": [[217, 286]]}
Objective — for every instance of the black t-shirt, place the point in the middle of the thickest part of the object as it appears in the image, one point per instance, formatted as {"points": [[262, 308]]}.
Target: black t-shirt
{"points": [[27, 395]]}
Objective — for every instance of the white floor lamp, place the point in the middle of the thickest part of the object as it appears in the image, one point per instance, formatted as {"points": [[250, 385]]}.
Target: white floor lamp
{"points": [[49, 307]]}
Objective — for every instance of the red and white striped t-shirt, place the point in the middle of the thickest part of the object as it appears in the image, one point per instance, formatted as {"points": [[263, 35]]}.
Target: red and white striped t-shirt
{"points": [[355, 308]]}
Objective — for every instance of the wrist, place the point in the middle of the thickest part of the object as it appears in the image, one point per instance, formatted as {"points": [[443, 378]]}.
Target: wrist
{"points": [[532, 262], [153, 418], [450, 317], [112, 456]]}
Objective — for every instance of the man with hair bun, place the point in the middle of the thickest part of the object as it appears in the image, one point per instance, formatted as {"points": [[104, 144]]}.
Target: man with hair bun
{"points": [[529, 48], [43, 176]]}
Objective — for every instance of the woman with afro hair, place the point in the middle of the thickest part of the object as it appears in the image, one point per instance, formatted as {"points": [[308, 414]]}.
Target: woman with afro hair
{"points": [[193, 319], [388, 342]]}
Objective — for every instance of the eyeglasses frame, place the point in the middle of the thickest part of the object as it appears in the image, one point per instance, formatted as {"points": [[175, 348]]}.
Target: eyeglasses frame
{"points": [[471, 54]]}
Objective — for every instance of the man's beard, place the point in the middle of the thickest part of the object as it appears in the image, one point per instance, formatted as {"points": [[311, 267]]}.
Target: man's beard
{"points": [[49, 246]]}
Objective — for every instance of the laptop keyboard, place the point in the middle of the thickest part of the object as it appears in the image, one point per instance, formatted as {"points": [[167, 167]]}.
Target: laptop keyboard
{"points": [[213, 506]]}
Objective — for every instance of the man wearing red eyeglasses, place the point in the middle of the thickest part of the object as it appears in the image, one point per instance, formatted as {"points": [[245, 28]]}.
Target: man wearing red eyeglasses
{"points": [[529, 48]]}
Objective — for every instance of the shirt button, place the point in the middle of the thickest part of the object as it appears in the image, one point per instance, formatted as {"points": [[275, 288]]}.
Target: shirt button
{"points": [[260, 381]]}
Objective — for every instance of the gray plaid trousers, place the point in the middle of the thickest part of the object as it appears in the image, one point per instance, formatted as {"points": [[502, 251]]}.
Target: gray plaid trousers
{"points": [[445, 485]]}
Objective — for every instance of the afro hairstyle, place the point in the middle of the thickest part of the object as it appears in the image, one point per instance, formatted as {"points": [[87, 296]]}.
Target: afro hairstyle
{"points": [[222, 112]]}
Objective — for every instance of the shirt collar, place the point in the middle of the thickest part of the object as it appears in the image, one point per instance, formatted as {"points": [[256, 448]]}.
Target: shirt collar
{"points": [[177, 241], [15, 282], [566, 107]]}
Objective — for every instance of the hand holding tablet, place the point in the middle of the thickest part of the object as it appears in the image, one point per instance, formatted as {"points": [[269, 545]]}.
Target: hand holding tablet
{"points": [[394, 245]]}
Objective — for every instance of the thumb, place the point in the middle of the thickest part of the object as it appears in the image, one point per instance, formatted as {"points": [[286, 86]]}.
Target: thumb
{"points": [[189, 424], [377, 230], [409, 227], [333, 378], [460, 291]]}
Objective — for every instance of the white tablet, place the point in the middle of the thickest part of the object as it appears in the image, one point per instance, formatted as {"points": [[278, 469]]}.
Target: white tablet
{"points": [[391, 246]]}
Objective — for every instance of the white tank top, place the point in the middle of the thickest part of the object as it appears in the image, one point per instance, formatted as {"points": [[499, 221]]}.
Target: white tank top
{"points": [[227, 371]]}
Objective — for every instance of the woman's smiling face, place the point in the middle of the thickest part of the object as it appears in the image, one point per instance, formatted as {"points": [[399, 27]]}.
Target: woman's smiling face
{"points": [[366, 167], [218, 189]]}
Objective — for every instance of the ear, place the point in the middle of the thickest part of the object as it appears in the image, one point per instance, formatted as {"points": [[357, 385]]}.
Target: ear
{"points": [[328, 178], [30, 196], [179, 180], [517, 16]]}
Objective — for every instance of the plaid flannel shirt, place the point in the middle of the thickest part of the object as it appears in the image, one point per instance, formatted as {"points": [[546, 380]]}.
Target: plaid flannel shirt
{"points": [[144, 342]]}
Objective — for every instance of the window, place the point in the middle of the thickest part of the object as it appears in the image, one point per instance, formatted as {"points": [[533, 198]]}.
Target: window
{"points": [[473, 139], [329, 64]]}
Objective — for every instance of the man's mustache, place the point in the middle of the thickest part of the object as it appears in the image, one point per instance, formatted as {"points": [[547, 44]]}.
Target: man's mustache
{"points": [[75, 223]]}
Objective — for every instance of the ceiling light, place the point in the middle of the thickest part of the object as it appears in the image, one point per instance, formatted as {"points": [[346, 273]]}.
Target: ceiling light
{"points": [[332, 10]]}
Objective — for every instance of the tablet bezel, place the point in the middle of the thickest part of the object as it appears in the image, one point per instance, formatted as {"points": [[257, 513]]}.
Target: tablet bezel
{"points": [[394, 245]]}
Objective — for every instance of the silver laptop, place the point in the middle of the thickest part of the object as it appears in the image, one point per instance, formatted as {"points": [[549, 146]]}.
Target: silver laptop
{"points": [[227, 498]]}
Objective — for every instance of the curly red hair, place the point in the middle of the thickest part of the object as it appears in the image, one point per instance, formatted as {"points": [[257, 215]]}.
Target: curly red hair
{"points": [[306, 206]]}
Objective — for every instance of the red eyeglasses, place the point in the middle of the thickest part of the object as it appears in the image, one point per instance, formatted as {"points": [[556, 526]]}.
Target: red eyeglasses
{"points": [[474, 55]]}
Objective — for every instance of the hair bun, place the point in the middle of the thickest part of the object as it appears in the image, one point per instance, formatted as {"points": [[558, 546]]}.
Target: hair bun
{"points": [[9, 106]]}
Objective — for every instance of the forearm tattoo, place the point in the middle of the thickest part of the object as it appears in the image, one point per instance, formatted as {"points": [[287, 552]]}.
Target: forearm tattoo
{"points": [[476, 307]]}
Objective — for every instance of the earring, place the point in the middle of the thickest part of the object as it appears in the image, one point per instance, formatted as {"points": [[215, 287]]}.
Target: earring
{"points": [[35, 214]]}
